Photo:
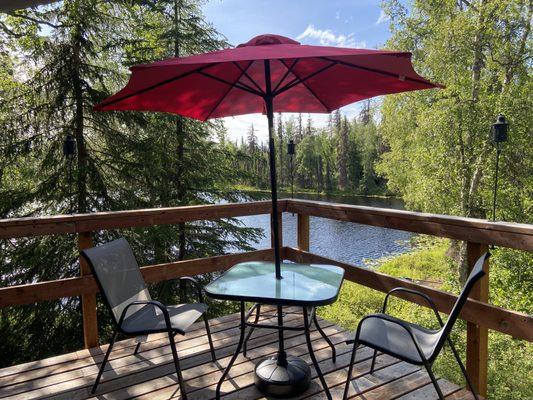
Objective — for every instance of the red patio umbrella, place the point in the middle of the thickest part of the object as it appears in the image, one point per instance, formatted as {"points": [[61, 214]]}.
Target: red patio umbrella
{"points": [[268, 74]]}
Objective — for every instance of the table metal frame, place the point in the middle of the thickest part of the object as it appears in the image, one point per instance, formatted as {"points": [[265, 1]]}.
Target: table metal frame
{"points": [[309, 317]]}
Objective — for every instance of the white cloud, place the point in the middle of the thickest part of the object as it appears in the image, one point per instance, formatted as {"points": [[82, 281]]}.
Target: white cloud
{"points": [[328, 38], [383, 17], [338, 15]]}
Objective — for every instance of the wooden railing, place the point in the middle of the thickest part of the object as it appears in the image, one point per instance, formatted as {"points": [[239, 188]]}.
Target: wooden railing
{"points": [[479, 234]]}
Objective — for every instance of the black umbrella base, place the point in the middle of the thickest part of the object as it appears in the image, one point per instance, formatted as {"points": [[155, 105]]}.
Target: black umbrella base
{"points": [[282, 381]]}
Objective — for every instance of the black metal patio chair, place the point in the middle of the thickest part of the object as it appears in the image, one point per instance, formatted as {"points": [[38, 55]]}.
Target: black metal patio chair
{"points": [[134, 312], [410, 342]]}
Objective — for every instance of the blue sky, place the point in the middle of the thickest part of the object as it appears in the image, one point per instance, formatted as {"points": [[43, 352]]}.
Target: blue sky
{"points": [[344, 23]]}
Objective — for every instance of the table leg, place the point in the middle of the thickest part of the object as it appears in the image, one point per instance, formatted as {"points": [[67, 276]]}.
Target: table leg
{"points": [[312, 354], [235, 355], [333, 351], [251, 330]]}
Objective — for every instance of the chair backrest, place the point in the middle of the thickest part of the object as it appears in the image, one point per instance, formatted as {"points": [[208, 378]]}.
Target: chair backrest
{"points": [[118, 275], [475, 275]]}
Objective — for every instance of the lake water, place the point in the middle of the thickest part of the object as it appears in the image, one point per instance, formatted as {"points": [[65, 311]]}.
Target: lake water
{"points": [[343, 241]]}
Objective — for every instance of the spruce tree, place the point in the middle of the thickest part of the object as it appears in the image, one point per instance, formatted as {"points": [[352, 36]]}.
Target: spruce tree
{"points": [[342, 153]]}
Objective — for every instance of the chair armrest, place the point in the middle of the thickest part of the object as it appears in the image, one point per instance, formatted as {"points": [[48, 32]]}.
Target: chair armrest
{"points": [[196, 285], [417, 293], [154, 303]]}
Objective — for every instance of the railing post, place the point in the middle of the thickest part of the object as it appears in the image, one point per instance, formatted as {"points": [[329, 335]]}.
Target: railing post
{"points": [[280, 226], [303, 232], [88, 301], [477, 337]]}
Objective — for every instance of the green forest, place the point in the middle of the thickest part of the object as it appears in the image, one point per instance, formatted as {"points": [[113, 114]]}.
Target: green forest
{"points": [[338, 158], [430, 148]]}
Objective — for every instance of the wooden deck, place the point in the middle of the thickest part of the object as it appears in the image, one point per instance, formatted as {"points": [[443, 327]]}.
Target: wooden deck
{"points": [[150, 373]]}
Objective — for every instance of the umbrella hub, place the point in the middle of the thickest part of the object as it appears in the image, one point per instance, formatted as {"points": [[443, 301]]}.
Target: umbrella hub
{"points": [[268, 39]]}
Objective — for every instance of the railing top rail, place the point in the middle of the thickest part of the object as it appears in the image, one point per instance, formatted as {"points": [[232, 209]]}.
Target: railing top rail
{"points": [[415, 215], [61, 224], [505, 234]]}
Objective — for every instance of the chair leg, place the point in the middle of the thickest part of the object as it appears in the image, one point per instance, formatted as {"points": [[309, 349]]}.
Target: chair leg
{"points": [[333, 351], [463, 369], [137, 348], [213, 355], [251, 330], [373, 362], [434, 381], [177, 365], [350, 369], [104, 361]]}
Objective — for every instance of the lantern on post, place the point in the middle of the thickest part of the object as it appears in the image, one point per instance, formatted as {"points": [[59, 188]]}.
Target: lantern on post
{"points": [[69, 152], [498, 135], [291, 150]]}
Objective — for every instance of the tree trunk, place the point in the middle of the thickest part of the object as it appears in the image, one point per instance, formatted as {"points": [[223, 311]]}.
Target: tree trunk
{"points": [[82, 164]]}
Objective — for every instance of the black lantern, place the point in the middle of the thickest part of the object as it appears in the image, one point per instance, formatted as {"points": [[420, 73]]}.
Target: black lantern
{"points": [[291, 148], [69, 146], [499, 130]]}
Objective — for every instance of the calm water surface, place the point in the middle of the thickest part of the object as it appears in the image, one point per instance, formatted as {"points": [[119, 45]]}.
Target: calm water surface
{"points": [[343, 241]]}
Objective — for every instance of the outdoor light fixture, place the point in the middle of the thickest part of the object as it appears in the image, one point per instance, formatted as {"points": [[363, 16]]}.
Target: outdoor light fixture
{"points": [[69, 146], [291, 150], [291, 147], [498, 135], [499, 130]]}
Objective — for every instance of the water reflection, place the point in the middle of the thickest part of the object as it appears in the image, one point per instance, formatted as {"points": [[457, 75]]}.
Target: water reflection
{"points": [[343, 241]]}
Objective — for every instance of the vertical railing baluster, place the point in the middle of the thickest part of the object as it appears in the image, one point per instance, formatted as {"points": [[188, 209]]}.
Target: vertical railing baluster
{"points": [[303, 232], [477, 337], [88, 301]]}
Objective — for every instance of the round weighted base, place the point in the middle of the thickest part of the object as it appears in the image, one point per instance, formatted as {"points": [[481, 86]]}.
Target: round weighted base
{"points": [[282, 381]]}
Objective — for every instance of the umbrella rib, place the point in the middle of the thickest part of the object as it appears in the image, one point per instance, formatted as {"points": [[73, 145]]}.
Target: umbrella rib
{"points": [[243, 71], [297, 81], [154, 86], [248, 76], [289, 70], [347, 64], [309, 89], [238, 85]]}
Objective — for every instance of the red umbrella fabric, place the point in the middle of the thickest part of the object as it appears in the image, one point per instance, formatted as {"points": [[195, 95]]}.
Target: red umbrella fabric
{"points": [[314, 79]]}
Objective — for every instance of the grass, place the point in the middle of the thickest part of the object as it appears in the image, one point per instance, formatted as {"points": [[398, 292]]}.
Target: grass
{"points": [[510, 360]]}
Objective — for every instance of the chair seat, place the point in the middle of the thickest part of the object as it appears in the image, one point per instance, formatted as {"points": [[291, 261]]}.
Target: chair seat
{"points": [[150, 319], [392, 339]]}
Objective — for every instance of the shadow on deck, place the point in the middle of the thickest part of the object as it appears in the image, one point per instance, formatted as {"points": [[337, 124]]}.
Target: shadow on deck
{"points": [[150, 374]]}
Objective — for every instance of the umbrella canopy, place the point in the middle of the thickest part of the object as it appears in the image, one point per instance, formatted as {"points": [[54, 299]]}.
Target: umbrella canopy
{"points": [[269, 73], [313, 79]]}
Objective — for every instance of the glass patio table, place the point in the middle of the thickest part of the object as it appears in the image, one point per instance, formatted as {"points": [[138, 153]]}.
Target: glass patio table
{"points": [[302, 285]]}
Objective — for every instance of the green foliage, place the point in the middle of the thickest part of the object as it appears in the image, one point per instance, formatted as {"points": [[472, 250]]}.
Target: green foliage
{"points": [[60, 65], [440, 158]]}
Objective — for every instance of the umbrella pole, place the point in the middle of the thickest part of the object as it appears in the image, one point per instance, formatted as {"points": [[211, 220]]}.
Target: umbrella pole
{"points": [[269, 100], [278, 376]]}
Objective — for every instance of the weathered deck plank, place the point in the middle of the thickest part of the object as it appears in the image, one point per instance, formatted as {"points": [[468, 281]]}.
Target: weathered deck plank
{"points": [[150, 374]]}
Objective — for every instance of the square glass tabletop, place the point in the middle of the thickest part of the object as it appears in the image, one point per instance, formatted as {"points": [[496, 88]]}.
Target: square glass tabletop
{"points": [[301, 285]]}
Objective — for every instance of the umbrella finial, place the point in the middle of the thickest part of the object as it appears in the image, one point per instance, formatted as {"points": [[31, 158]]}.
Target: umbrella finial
{"points": [[268, 39]]}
